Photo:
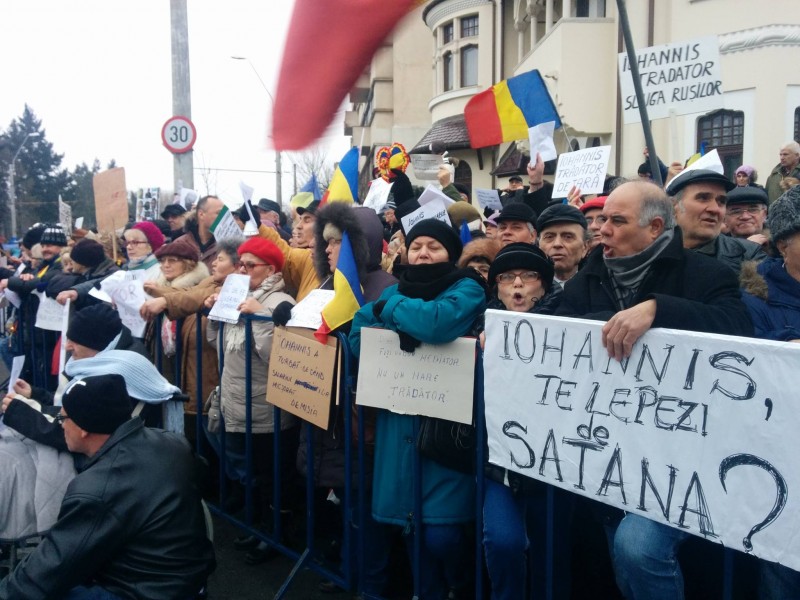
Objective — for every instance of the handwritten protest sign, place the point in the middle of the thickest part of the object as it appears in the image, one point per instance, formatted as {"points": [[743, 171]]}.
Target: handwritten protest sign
{"points": [[426, 166], [50, 313], [585, 169], [436, 381], [233, 293], [224, 226], [302, 374], [684, 76], [694, 430], [308, 312], [435, 209], [378, 194], [126, 290], [110, 199], [489, 199]]}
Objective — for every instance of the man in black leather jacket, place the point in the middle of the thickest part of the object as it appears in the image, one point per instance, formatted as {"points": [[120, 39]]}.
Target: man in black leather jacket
{"points": [[131, 522]]}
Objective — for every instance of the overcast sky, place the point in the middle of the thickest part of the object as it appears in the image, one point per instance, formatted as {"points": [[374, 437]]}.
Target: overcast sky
{"points": [[97, 73]]}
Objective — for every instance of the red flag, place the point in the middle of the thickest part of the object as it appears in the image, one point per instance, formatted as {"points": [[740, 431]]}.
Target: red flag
{"points": [[330, 43]]}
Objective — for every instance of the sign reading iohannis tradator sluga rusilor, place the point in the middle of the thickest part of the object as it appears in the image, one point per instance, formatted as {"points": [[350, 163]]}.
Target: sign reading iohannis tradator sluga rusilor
{"points": [[693, 430]]}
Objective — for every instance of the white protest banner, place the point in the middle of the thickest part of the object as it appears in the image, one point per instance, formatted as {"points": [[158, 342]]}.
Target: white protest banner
{"points": [[377, 194], [489, 199], [16, 368], [436, 381], [426, 166], [308, 312], [302, 374], [432, 194], [541, 141], [50, 313], [233, 293], [79, 223], [127, 292], [65, 215], [432, 210], [683, 76], [696, 431], [585, 169], [224, 226]]}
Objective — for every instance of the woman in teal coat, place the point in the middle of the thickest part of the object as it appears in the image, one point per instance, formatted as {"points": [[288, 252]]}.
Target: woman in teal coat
{"points": [[434, 302]]}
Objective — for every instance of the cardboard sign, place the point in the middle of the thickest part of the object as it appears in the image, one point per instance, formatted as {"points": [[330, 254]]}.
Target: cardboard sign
{"points": [[378, 194], [585, 169], [696, 431], [308, 312], [436, 381], [225, 227], [110, 200], [302, 374], [684, 76], [50, 314], [231, 295], [489, 199], [432, 210]]}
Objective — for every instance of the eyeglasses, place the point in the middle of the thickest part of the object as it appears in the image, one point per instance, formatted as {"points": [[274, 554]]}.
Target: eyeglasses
{"points": [[740, 210], [249, 266], [511, 276], [61, 418], [134, 243]]}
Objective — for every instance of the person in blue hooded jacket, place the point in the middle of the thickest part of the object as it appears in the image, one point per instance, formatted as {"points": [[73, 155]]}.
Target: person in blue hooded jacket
{"points": [[435, 303]]}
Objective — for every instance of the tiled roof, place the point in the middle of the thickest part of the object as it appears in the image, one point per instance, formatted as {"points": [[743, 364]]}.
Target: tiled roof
{"points": [[450, 131]]}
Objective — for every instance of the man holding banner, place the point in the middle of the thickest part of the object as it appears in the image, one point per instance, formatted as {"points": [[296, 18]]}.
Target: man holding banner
{"points": [[642, 277]]}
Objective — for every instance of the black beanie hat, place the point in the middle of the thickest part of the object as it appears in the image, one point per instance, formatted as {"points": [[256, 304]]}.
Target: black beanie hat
{"points": [[94, 326], [54, 234], [441, 232], [33, 235], [520, 255], [98, 404], [88, 253]]}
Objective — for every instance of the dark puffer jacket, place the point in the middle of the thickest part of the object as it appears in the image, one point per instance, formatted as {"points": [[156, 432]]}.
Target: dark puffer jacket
{"points": [[773, 298], [131, 522]]}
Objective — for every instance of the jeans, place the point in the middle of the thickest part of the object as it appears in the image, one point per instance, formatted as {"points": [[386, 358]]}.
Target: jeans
{"points": [[504, 540], [646, 559], [778, 582], [90, 593], [442, 562]]}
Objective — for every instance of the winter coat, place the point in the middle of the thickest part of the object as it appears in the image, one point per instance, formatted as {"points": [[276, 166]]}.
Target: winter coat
{"points": [[131, 522], [232, 384], [91, 279], [208, 252], [184, 299], [773, 183], [692, 291], [447, 496], [773, 298], [732, 251]]}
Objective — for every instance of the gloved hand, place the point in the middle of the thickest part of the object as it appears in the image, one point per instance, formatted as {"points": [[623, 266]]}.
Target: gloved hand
{"points": [[408, 343], [377, 308], [282, 313]]}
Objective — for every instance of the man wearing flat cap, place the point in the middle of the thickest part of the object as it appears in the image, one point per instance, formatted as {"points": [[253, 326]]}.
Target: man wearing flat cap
{"points": [[747, 213], [516, 223], [269, 210], [175, 215], [131, 524], [700, 197], [563, 236]]}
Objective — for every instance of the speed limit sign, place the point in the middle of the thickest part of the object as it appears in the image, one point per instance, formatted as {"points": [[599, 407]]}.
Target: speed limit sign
{"points": [[178, 135]]}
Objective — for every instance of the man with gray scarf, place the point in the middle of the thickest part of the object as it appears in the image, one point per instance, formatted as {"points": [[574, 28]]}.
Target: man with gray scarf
{"points": [[640, 276]]}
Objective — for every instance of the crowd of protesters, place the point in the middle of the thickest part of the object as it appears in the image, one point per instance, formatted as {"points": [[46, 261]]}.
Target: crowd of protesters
{"points": [[703, 253]]}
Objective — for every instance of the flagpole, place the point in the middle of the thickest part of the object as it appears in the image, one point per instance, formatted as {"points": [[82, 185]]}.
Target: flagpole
{"points": [[637, 86]]}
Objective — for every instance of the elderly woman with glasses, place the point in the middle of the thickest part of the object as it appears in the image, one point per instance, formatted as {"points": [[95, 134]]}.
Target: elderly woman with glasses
{"points": [[141, 242], [522, 276]]}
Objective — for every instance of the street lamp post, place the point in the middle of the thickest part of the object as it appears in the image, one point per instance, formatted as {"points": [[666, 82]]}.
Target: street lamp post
{"points": [[278, 183], [12, 191]]}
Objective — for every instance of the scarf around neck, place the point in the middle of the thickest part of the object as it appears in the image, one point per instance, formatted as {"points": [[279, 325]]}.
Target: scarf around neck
{"points": [[426, 282], [628, 272]]}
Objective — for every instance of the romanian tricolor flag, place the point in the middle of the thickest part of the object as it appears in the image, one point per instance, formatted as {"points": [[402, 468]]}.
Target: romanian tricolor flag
{"points": [[344, 183], [505, 112], [347, 296]]}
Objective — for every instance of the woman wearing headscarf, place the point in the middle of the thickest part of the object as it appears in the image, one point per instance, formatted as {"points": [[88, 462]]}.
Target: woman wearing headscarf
{"points": [[434, 302]]}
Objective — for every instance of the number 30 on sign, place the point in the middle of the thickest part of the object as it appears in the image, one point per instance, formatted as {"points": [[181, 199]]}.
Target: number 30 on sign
{"points": [[178, 135]]}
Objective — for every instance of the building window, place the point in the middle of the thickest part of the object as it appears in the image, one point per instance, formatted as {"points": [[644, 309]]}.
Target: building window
{"points": [[449, 71], [469, 26], [447, 33], [723, 130], [797, 124], [469, 66]]}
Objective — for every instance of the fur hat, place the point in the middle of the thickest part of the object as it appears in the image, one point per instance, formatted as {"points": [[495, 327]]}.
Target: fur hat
{"points": [[98, 404], [95, 326], [263, 249], [520, 255], [154, 236], [485, 248], [54, 234], [88, 253], [784, 215], [181, 248], [441, 232], [332, 220]]}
